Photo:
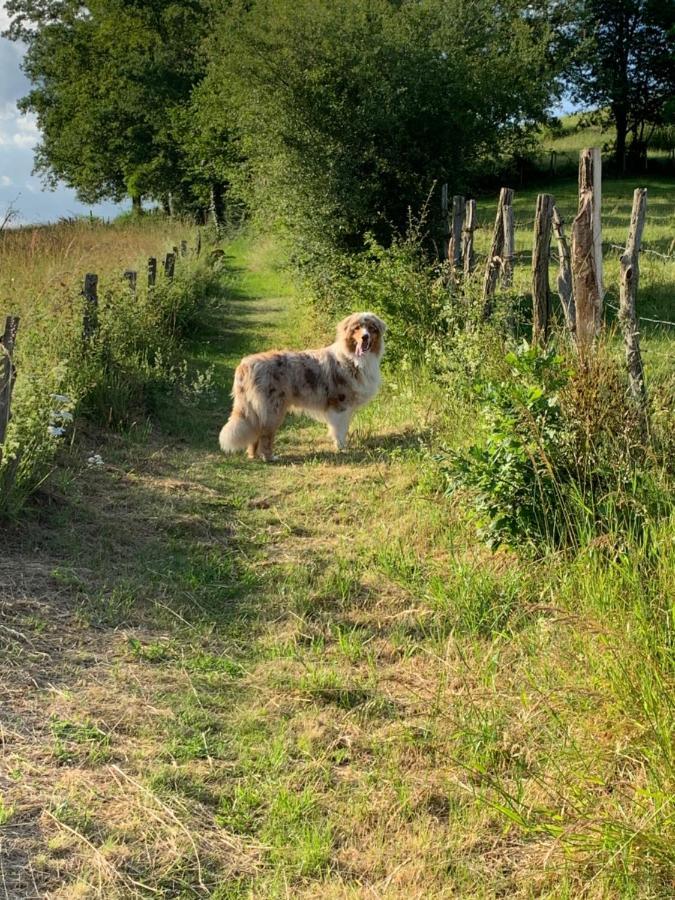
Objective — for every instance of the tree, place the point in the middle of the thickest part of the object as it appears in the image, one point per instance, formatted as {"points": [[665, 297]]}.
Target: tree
{"points": [[349, 110], [107, 80], [623, 63]]}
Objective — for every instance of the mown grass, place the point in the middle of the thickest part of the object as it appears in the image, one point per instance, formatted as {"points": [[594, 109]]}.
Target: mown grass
{"points": [[311, 679]]}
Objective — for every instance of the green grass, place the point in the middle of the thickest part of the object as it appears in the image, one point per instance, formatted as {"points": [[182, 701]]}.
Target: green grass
{"points": [[310, 679]]}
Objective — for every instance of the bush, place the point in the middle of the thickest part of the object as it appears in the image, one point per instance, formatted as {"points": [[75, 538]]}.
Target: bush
{"points": [[558, 462]]}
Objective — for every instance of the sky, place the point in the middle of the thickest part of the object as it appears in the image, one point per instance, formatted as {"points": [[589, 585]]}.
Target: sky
{"points": [[18, 136]]}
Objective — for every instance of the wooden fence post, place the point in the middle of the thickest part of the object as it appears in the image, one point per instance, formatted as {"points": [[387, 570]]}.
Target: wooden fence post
{"points": [[494, 259], [587, 251], [90, 317], [509, 250], [541, 298], [183, 248], [131, 278], [564, 281], [445, 218], [198, 248], [152, 271], [630, 273], [455, 246], [467, 238], [7, 373], [169, 265]]}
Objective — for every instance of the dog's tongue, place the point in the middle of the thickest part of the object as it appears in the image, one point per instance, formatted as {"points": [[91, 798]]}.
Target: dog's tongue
{"points": [[359, 350]]}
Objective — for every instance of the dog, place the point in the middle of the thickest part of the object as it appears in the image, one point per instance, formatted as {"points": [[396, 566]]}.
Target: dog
{"points": [[329, 385]]}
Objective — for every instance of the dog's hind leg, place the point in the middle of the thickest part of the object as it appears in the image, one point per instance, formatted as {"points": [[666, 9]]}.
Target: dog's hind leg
{"points": [[338, 425], [252, 449], [266, 445]]}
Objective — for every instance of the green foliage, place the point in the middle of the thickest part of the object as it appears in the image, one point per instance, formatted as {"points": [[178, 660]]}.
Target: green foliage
{"points": [[349, 110], [549, 469], [107, 87], [398, 282]]}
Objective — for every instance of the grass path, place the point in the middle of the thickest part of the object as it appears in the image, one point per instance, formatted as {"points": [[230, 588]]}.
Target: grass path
{"points": [[227, 679]]}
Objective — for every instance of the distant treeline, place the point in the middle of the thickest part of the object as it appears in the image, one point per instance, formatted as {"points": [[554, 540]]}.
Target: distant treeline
{"points": [[330, 117]]}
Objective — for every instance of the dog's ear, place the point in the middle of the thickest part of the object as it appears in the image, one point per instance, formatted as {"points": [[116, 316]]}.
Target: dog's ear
{"points": [[381, 325], [343, 326]]}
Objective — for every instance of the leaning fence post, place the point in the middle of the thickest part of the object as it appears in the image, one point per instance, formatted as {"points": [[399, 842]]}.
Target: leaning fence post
{"points": [[509, 251], [455, 246], [152, 271], [169, 264], [7, 373], [183, 248], [587, 250], [630, 273], [90, 317], [131, 278], [564, 280], [495, 255], [198, 248], [467, 238], [541, 298]]}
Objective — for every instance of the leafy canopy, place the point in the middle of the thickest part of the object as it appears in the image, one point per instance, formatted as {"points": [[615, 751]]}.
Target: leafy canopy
{"points": [[348, 110]]}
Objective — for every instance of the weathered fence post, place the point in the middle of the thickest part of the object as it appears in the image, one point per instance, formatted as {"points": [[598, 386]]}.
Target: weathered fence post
{"points": [[494, 259], [7, 373], [445, 218], [455, 247], [90, 317], [509, 250], [131, 278], [169, 264], [198, 248], [630, 273], [467, 238], [587, 251], [183, 248], [152, 271], [564, 280], [541, 298]]}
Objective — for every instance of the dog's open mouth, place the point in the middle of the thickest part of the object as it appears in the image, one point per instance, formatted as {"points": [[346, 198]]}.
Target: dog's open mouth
{"points": [[363, 346]]}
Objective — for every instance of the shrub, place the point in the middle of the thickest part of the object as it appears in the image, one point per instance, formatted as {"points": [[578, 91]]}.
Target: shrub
{"points": [[558, 461]]}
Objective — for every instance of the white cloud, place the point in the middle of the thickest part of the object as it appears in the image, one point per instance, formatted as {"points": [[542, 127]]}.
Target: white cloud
{"points": [[18, 136]]}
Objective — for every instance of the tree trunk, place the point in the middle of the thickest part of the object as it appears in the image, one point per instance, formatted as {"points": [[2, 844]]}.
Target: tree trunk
{"points": [[621, 123], [137, 204]]}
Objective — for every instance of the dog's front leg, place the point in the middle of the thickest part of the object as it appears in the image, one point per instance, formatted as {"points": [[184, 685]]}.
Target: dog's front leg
{"points": [[338, 425]]}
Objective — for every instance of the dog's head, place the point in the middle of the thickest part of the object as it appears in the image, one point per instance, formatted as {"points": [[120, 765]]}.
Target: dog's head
{"points": [[362, 333]]}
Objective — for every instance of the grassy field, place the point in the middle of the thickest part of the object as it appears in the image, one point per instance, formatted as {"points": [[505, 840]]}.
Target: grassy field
{"points": [[310, 679]]}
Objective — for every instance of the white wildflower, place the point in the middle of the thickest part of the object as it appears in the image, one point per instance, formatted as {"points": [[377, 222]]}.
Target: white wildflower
{"points": [[95, 460], [56, 431], [63, 399]]}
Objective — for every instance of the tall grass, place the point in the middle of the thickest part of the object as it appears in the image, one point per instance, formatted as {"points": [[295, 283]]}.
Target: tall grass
{"points": [[60, 375]]}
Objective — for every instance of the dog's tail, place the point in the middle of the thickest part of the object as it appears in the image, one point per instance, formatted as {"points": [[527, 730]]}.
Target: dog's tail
{"points": [[243, 427]]}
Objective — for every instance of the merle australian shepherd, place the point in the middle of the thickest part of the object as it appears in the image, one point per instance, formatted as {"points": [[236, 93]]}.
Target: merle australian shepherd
{"points": [[328, 384]]}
